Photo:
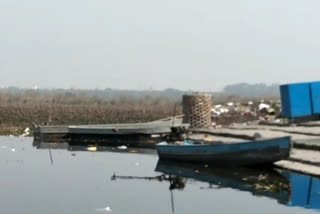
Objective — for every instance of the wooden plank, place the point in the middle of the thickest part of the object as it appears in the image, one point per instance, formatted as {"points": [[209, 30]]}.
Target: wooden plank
{"points": [[51, 130], [119, 130], [301, 130], [305, 156], [154, 127], [311, 144], [299, 167]]}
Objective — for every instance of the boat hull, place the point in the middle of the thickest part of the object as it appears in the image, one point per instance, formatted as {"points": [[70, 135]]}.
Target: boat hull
{"points": [[247, 153]]}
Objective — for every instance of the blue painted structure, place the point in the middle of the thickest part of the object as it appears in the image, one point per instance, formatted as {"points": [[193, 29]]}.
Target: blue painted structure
{"points": [[305, 190], [243, 153], [315, 97], [296, 100]]}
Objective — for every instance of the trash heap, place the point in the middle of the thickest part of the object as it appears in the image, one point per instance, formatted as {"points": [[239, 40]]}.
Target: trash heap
{"points": [[231, 112]]}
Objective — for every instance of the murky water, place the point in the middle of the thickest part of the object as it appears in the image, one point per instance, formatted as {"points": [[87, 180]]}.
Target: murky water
{"points": [[35, 181]]}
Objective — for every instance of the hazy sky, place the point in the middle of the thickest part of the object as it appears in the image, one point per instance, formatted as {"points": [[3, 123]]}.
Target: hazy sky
{"points": [[185, 44]]}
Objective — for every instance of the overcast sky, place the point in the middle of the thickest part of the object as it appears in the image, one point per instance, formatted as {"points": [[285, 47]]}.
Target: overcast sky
{"points": [[142, 44]]}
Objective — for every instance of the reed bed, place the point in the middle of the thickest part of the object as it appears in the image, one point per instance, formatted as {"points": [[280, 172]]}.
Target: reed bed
{"points": [[16, 116]]}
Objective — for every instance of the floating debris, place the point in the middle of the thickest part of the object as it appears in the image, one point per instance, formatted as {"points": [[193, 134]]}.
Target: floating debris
{"points": [[107, 209], [92, 149], [122, 147], [26, 133]]}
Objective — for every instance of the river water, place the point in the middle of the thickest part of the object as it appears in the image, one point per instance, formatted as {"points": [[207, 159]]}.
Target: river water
{"points": [[68, 180]]}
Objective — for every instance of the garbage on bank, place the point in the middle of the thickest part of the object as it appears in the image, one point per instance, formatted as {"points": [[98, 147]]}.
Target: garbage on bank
{"points": [[230, 112], [26, 132]]}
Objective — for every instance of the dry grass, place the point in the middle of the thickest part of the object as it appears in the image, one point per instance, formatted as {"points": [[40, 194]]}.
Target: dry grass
{"points": [[19, 112], [15, 117]]}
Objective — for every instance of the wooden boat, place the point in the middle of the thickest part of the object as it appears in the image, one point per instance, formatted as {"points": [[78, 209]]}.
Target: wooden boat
{"points": [[258, 152]]}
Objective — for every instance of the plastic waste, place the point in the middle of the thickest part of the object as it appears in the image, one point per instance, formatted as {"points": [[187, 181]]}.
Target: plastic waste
{"points": [[162, 143], [277, 121], [26, 132], [107, 209], [92, 149], [224, 110], [187, 143], [122, 147], [263, 106], [271, 111]]}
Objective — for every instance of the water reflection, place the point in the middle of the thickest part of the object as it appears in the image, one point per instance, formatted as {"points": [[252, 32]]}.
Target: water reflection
{"points": [[305, 190], [287, 188], [91, 148], [265, 182], [111, 149]]}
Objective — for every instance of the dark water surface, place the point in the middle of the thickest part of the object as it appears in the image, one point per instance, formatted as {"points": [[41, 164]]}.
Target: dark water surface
{"points": [[33, 181]]}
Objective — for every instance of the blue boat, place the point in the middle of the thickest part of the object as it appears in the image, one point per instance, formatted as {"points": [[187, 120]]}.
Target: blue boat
{"points": [[260, 152]]}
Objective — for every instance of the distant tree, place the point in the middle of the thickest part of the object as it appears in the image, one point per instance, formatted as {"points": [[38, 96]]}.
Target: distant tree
{"points": [[252, 90]]}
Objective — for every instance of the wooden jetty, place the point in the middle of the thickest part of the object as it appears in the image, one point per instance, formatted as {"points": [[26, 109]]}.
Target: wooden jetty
{"points": [[133, 135]]}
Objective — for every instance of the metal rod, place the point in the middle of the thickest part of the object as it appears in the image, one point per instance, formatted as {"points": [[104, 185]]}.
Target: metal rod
{"points": [[51, 156], [159, 178], [174, 114], [172, 202]]}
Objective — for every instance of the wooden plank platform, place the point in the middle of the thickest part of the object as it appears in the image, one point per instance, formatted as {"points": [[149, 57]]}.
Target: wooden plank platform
{"points": [[50, 130], [155, 127], [299, 167], [302, 137], [121, 129], [136, 134]]}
